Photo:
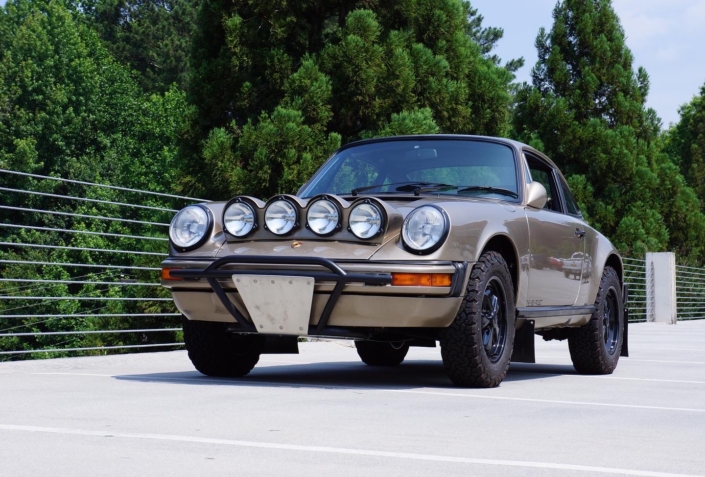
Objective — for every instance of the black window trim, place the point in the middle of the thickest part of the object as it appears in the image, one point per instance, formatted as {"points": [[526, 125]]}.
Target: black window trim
{"points": [[561, 181], [552, 172]]}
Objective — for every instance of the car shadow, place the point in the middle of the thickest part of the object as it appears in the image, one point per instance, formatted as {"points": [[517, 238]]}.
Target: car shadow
{"points": [[349, 375]]}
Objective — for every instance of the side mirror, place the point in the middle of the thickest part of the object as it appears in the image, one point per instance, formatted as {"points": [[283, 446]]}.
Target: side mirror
{"points": [[536, 195]]}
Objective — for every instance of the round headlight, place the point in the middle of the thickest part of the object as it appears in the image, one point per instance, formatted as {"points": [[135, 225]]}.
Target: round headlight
{"points": [[323, 217], [280, 217], [189, 227], [239, 219], [424, 228], [365, 220]]}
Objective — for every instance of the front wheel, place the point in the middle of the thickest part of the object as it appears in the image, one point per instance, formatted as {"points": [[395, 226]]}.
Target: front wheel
{"points": [[477, 347], [216, 352], [378, 353], [595, 347]]}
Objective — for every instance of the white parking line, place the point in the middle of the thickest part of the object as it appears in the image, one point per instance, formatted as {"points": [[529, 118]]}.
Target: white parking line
{"points": [[610, 377], [627, 360], [227, 382], [701, 350], [281, 361], [341, 450]]}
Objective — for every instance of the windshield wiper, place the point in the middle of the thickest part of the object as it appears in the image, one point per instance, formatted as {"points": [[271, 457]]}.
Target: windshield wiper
{"points": [[422, 187], [409, 186], [494, 190]]}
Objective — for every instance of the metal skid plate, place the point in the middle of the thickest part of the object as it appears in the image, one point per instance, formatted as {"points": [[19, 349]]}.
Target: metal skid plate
{"points": [[277, 304]]}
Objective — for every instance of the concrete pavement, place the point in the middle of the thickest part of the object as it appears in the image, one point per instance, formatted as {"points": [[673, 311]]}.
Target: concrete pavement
{"points": [[323, 412]]}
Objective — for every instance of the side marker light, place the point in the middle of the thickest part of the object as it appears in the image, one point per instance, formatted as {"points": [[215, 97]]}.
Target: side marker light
{"points": [[422, 279]]}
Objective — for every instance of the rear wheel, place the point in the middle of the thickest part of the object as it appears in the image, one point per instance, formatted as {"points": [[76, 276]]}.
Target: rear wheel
{"points": [[595, 347], [216, 352], [477, 347], [379, 353]]}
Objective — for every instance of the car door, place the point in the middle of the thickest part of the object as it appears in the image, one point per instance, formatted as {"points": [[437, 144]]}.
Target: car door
{"points": [[556, 243]]}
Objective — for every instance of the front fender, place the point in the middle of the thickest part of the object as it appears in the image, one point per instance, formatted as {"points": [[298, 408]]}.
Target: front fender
{"points": [[472, 226]]}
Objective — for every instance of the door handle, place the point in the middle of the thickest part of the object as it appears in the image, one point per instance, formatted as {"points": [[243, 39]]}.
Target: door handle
{"points": [[579, 233]]}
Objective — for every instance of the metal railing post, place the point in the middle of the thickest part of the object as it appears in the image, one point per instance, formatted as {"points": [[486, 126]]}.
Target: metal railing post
{"points": [[661, 287]]}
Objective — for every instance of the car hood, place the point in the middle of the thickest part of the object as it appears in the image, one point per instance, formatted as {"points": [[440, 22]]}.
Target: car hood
{"points": [[472, 222]]}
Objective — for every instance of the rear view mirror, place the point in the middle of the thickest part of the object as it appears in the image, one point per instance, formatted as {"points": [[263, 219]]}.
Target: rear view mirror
{"points": [[421, 153], [536, 195]]}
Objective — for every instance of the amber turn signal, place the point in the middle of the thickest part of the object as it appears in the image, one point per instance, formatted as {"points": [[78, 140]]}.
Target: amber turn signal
{"points": [[422, 279], [166, 274]]}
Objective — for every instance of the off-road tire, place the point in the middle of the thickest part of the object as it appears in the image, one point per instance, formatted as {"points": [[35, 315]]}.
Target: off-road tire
{"points": [[379, 353], [216, 352], [589, 350], [464, 355]]}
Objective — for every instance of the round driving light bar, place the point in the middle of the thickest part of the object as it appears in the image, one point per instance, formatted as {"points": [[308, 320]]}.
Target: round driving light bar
{"points": [[323, 217], [280, 217], [366, 220], [190, 227], [425, 229], [239, 218]]}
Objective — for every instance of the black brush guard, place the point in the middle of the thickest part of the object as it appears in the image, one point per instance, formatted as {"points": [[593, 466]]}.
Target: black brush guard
{"points": [[213, 272]]}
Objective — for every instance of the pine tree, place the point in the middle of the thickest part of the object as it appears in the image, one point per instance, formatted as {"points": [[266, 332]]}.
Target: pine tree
{"points": [[331, 72], [686, 143], [586, 110], [153, 37]]}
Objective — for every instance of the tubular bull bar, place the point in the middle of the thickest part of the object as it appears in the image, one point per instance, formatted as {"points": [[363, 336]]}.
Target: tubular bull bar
{"points": [[213, 272]]}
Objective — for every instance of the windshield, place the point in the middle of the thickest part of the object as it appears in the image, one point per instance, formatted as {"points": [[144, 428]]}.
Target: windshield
{"points": [[438, 166]]}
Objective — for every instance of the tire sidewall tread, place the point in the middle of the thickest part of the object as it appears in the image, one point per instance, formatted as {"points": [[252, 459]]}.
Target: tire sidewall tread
{"points": [[586, 344], [463, 353], [216, 352]]}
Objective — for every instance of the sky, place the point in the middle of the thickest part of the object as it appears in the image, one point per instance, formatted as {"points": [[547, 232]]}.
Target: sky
{"points": [[667, 37]]}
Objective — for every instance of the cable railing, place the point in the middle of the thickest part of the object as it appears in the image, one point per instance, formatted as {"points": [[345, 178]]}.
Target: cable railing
{"points": [[94, 289], [76, 282], [81, 249], [85, 199], [87, 332], [84, 265], [102, 315], [64, 290], [84, 232], [106, 186], [83, 216], [636, 280], [91, 348], [690, 292]]}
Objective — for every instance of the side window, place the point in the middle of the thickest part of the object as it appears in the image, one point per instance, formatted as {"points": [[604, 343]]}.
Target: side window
{"points": [[542, 173], [570, 203]]}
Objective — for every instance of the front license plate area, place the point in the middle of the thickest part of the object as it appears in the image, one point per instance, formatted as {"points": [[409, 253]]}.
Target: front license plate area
{"points": [[277, 305]]}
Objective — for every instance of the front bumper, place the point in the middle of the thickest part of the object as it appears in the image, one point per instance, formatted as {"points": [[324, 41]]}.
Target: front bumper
{"points": [[346, 293]]}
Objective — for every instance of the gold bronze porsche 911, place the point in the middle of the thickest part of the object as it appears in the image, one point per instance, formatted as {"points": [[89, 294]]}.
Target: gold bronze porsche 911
{"points": [[397, 242]]}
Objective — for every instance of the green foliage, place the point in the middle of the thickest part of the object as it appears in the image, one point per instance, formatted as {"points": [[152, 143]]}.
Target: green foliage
{"points": [[322, 73], [418, 121], [153, 37], [685, 142], [586, 110], [70, 110]]}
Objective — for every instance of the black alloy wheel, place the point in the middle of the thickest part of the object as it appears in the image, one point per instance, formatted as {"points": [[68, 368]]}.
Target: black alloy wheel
{"points": [[494, 320], [596, 346], [610, 322], [477, 347]]}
